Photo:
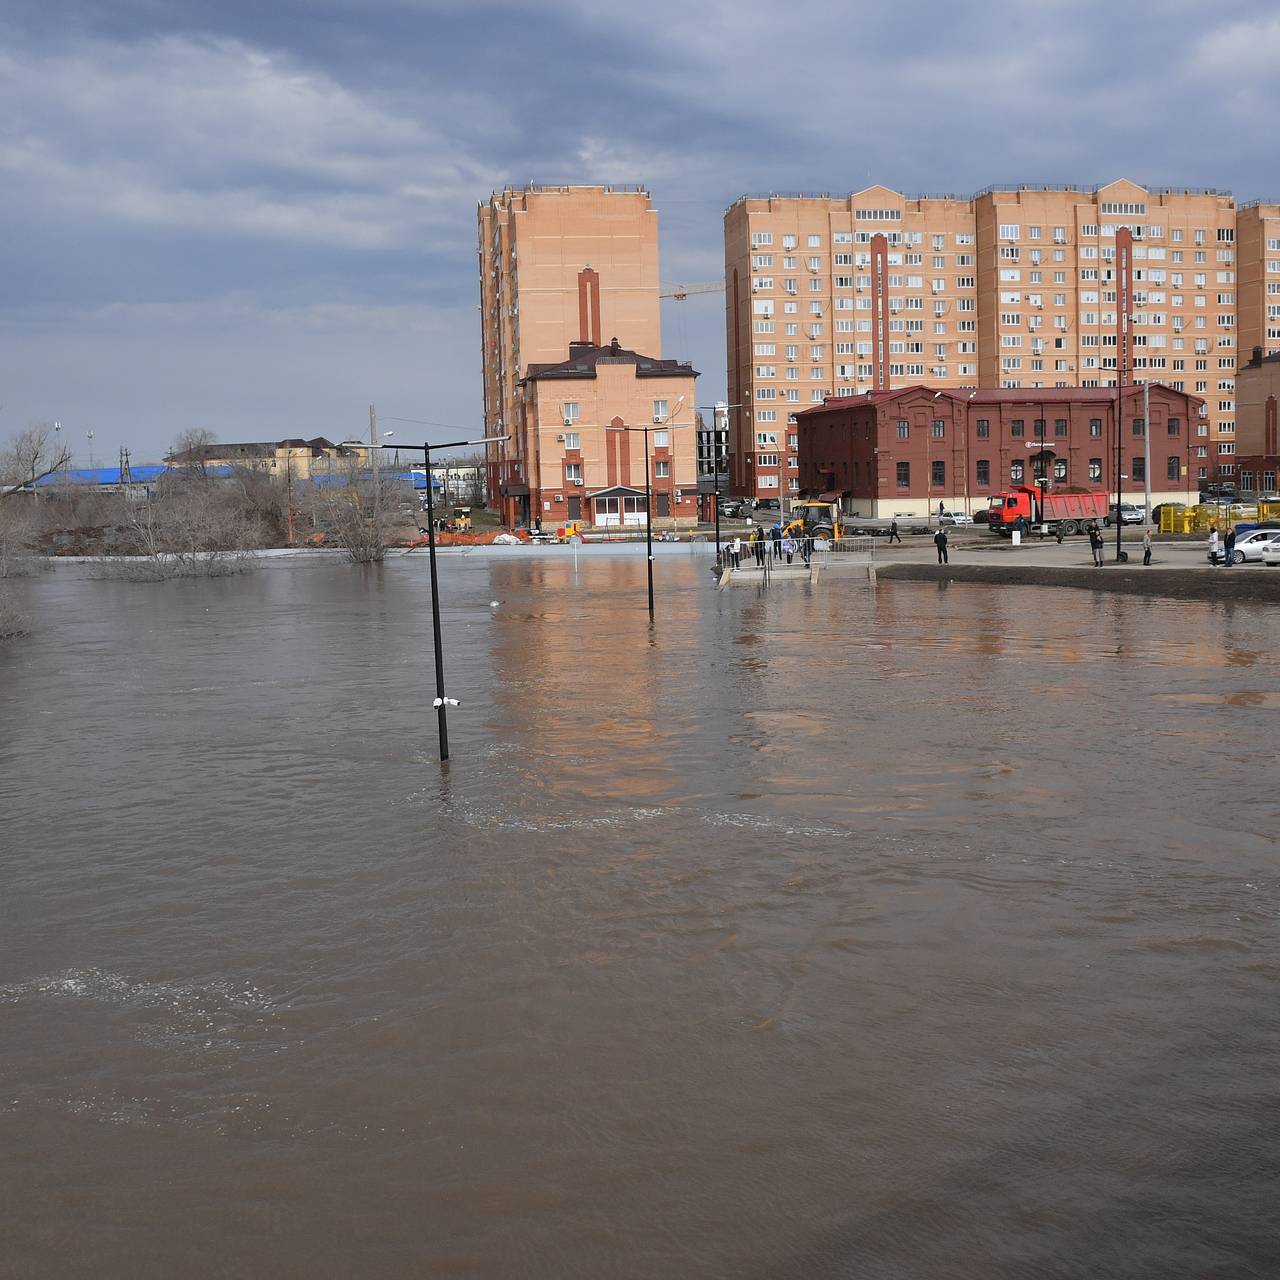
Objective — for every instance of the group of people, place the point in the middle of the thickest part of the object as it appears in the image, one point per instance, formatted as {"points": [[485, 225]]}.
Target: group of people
{"points": [[761, 544], [1222, 550], [1097, 544]]}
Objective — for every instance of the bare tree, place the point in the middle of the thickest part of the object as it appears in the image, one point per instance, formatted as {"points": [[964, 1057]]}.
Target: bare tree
{"points": [[356, 513], [30, 456], [190, 529], [13, 622]]}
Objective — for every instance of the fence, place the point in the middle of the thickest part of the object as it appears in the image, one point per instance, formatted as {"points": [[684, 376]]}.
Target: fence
{"points": [[1202, 518]]}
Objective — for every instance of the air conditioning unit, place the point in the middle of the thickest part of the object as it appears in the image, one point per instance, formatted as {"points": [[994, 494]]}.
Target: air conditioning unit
{"points": [[657, 417], [578, 481], [560, 438], [568, 422]]}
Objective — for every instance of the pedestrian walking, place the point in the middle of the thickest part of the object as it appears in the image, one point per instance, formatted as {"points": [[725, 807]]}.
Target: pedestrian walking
{"points": [[1214, 547], [775, 540], [735, 552], [788, 547], [1146, 547], [893, 532], [940, 541], [806, 549], [1059, 535], [1229, 548], [757, 547]]}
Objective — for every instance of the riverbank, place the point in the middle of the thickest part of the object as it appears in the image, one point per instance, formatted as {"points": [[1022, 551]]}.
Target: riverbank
{"points": [[1250, 584]]}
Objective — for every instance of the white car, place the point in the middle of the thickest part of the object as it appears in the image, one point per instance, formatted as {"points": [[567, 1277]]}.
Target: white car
{"points": [[1271, 552], [954, 518], [1251, 545]]}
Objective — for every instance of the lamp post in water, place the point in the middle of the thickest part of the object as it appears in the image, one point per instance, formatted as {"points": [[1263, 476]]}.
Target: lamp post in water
{"points": [[441, 702], [664, 425]]}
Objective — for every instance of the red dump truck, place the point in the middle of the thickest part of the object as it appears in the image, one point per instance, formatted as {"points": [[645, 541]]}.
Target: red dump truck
{"points": [[1072, 510]]}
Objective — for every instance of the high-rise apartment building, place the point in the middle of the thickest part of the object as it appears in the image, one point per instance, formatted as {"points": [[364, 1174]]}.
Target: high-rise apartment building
{"points": [[1009, 288], [1258, 255], [558, 265]]}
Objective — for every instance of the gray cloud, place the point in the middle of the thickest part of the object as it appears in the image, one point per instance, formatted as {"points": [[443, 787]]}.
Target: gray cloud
{"points": [[259, 218]]}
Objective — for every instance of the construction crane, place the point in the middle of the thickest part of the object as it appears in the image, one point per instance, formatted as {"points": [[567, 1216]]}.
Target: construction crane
{"points": [[682, 291]]}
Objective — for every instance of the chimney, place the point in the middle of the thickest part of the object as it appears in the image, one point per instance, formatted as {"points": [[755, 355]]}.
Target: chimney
{"points": [[614, 347], [1257, 358]]}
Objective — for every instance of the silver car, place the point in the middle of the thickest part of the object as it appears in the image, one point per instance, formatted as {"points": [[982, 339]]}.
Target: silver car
{"points": [[1250, 546]]}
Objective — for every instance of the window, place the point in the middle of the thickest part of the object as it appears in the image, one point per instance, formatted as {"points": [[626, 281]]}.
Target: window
{"points": [[1173, 470], [571, 440], [767, 481], [939, 429], [661, 439], [1059, 426], [1017, 427], [1175, 426], [904, 430], [984, 428], [904, 475], [766, 438], [1095, 470], [1016, 472], [1226, 446], [662, 468], [1139, 427], [984, 472], [1138, 468], [659, 410], [767, 460], [572, 472], [1009, 231], [938, 470], [1095, 426], [761, 237]]}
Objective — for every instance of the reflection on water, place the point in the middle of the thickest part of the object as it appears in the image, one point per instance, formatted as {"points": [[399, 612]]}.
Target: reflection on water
{"points": [[817, 932]]}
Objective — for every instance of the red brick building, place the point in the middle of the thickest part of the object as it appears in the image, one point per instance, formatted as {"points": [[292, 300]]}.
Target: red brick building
{"points": [[904, 452]]}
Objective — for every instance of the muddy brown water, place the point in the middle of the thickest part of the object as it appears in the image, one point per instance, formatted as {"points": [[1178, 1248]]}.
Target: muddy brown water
{"points": [[922, 932]]}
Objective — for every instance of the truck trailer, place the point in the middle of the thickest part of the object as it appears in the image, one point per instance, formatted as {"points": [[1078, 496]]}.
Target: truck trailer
{"points": [[1072, 510]]}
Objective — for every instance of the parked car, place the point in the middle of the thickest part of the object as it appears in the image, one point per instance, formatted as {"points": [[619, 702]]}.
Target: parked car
{"points": [[733, 509], [1129, 514], [1271, 552], [954, 517], [768, 504], [1252, 545]]}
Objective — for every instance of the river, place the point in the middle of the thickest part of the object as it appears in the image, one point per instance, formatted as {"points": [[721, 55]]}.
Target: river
{"points": [[917, 931]]}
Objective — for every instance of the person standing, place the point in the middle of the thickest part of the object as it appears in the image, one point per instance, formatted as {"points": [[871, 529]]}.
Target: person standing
{"points": [[775, 539], [893, 532], [806, 548], [788, 547], [735, 552], [1146, 547], [940, 541], [757, 547], [1229, 548], [1214, 549], [1095, 544]]}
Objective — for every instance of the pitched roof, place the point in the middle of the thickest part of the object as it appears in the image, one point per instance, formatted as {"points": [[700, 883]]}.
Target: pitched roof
{"points": [[585, 356]]}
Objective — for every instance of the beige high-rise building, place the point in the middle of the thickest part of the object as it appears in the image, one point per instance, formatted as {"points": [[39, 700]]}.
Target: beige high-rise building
{"points": [[1258, 247], [1008, 288], [558, 265]]}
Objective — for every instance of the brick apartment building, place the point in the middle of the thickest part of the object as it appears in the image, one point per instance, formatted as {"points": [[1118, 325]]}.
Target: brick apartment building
{"points": [[564, 270], [1012, 288], [1258, 428], [593, 469], [903, 452]]}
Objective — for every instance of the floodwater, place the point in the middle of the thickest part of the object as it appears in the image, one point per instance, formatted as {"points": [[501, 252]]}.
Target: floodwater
{"points": [[921, 931]]}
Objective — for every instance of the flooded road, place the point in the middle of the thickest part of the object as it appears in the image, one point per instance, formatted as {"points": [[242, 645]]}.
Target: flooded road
{"points": [[928, 932]]}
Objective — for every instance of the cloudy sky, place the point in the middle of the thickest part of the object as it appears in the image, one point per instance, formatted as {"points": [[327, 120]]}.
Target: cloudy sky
{"points": [[258, 216]]}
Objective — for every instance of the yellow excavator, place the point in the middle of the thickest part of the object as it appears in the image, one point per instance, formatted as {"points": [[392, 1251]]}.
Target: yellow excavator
{"points": [[817, 519]]}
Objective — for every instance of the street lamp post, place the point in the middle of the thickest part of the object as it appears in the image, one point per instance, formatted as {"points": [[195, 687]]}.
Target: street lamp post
{"points": [[665, 425], [718, 457], [441, 702]]}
